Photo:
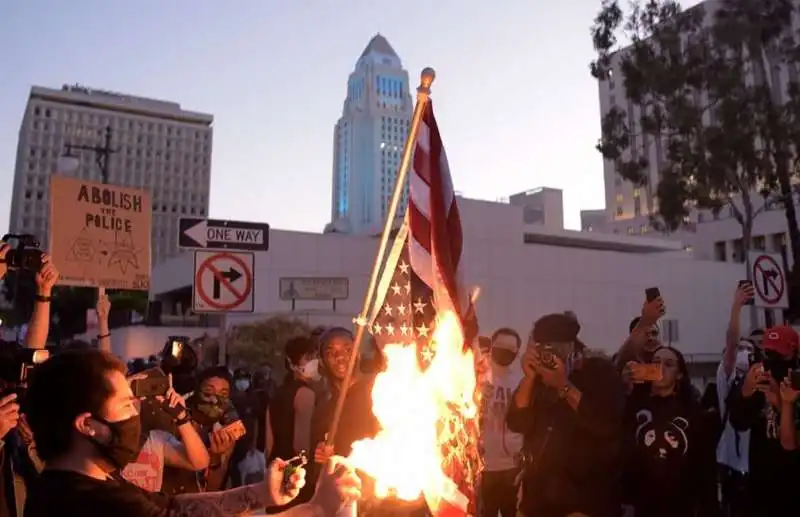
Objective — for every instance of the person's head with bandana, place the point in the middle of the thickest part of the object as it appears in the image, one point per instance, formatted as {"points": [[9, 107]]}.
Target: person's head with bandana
{"points": [[336, 347], [211, 403]]}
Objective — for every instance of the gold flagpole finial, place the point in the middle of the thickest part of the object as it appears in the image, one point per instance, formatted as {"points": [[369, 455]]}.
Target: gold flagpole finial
{"points": [[426, 78]]}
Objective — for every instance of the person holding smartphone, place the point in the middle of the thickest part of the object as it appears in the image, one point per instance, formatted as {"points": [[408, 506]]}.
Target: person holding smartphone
{"points": [[758, 406], [670, 468], [569, 409]]}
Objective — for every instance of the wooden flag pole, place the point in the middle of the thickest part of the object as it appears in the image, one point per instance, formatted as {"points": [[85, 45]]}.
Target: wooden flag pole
{"points": [[423, 94]]}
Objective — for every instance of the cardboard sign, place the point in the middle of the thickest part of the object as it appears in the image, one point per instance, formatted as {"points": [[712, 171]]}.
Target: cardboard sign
{"points": [[100, 234]]}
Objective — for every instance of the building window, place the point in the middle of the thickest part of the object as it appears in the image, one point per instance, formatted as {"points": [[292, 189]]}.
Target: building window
{"points": [[630, 230], [759, 243], [619, 211], [637, 206], [618, 198], [636, 192]]}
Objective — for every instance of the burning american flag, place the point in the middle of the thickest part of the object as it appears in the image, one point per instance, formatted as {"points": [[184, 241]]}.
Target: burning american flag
{"points": [[426, 324]]}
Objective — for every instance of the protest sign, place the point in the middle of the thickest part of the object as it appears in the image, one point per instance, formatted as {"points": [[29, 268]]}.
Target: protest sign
{"points": [[100, 234]]}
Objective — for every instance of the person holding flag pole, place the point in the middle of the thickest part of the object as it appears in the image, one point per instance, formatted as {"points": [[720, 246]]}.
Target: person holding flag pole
{"points": [[426, 254], [423, 95]]}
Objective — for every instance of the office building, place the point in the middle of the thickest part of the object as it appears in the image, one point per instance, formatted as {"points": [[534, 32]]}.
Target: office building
{"points": [[629, 207], [158, 146], [368, 140]]}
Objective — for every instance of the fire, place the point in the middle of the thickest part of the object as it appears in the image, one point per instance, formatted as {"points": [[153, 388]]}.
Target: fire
{"points": [[421, 414]]}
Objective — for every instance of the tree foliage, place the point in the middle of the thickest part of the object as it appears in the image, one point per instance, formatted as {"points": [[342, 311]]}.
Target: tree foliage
{"points": [[699, 92], [259, 343]]}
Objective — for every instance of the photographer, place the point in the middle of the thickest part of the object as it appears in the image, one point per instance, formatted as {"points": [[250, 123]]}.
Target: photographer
{"points": [[569, 409], [84, 416], [758, 406], [45, 277]]}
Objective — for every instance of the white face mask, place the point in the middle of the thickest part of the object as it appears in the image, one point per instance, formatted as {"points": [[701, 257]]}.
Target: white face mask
{"points": [[310, 370], [743, 360], [242, 384]]}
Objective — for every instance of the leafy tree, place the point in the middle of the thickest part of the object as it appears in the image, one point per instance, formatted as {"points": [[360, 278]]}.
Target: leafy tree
{"points": [[723, 138], [259, 343]]}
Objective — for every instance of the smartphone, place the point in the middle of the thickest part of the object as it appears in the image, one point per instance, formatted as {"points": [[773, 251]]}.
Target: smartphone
{"points": [[795, 379], [235, 429], [747, 283], [646, 372], [150, 387], [651, 293]]}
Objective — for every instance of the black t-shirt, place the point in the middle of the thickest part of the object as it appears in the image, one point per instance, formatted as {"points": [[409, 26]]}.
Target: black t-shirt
{"points": [[57, 493]]}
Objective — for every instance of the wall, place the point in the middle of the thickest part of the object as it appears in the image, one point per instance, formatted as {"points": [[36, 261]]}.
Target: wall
{"points": [[518, 282]]}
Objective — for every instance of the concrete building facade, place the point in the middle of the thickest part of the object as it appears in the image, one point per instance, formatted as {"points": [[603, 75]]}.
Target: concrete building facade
{"points": [[158, 146]]}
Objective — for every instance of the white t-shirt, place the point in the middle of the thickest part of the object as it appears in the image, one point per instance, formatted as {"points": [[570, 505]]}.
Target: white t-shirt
{"points": [[147, 472], [726, 448], [499, 444]]}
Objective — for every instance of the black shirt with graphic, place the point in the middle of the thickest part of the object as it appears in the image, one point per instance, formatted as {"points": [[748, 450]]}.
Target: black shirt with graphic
{"points": [[57, 493], [670, 463], [774, 473]]}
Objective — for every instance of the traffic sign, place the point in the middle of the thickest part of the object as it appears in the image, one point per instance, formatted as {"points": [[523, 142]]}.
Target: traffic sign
{"points": [[223, 281], [215, 234], [314, 288], [769, 280]]}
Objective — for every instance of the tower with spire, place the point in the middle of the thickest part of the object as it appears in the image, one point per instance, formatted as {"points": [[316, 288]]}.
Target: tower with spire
{"points": [[368, 140]]}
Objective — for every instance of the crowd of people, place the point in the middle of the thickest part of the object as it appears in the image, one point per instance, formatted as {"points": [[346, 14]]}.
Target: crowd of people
{"points": [[565, 430]]}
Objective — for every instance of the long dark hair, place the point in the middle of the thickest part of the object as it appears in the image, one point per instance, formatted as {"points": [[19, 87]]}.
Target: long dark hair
{"points": [[684, 390]]}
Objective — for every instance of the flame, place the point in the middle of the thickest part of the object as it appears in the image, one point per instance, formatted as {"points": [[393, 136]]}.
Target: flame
{"points": [[422, 416]]}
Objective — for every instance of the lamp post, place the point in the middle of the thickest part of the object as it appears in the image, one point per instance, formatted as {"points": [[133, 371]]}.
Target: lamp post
{"points": [[68, 162]]}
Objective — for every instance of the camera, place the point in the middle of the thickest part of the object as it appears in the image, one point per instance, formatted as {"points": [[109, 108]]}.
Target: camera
{"points": [[25, 253], [16, 365]]}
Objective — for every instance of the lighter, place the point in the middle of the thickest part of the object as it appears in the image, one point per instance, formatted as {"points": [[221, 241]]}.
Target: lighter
{"points": [[291, 467]]}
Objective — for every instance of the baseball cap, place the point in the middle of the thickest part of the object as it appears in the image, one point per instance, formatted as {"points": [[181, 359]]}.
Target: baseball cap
{"points": [[781, 339]]}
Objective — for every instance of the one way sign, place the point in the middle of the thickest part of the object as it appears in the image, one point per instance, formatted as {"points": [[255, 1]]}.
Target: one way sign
{"points": [[216, 234]]}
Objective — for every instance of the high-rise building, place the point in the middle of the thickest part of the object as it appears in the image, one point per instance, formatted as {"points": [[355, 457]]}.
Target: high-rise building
{"points": [[158, 146], [369, 138]]}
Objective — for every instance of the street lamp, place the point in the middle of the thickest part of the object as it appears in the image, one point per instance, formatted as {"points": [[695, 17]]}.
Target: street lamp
{"points": [[69, 163]]}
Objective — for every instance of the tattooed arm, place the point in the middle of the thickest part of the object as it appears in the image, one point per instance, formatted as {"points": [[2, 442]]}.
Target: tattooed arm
{"points": [[238, 501]]}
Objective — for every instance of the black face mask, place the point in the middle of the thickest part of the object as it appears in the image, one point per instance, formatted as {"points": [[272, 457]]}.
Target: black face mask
{"points": [[503, 357], [211, 408], [125, 444]]}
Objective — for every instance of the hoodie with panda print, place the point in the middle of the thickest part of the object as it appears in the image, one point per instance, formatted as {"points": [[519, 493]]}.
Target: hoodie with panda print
{"points": [[669, 450]]}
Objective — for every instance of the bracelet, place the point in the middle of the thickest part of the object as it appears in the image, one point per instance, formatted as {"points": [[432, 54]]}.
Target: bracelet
{"points": [[43, 299], [186, 419], [103, 336]]}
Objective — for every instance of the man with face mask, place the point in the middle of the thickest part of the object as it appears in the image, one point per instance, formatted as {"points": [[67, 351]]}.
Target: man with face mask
{"points": [[569, 409], [500, 446], [757, 406], [733, 447], [86, 422]]}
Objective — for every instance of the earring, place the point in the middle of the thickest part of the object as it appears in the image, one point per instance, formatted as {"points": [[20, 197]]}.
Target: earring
{"points": [[91, 432]]}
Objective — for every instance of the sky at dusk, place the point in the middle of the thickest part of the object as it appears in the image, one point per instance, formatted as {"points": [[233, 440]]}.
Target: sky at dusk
{"points": [[515, 103]]}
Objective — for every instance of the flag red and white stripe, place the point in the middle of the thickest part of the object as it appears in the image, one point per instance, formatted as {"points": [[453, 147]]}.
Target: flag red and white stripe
{"points": [[435, 249], [436, 239]]}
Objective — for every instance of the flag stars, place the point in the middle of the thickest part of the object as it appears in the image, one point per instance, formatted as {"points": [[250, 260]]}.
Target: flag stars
{"points": [[403, 267], [423, 330], [404, 329], [387, 309], [396, 288], [419, 306], [407, 288], [389, 329], [377, 329], [401, 309], [427, 354]]}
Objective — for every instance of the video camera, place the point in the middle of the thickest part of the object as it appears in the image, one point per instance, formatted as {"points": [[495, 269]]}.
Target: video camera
{"points": [[15, 367], [25, 253]]}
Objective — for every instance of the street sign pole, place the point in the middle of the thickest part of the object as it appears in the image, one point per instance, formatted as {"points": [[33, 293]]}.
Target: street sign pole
{"points": [[223, 339]]}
